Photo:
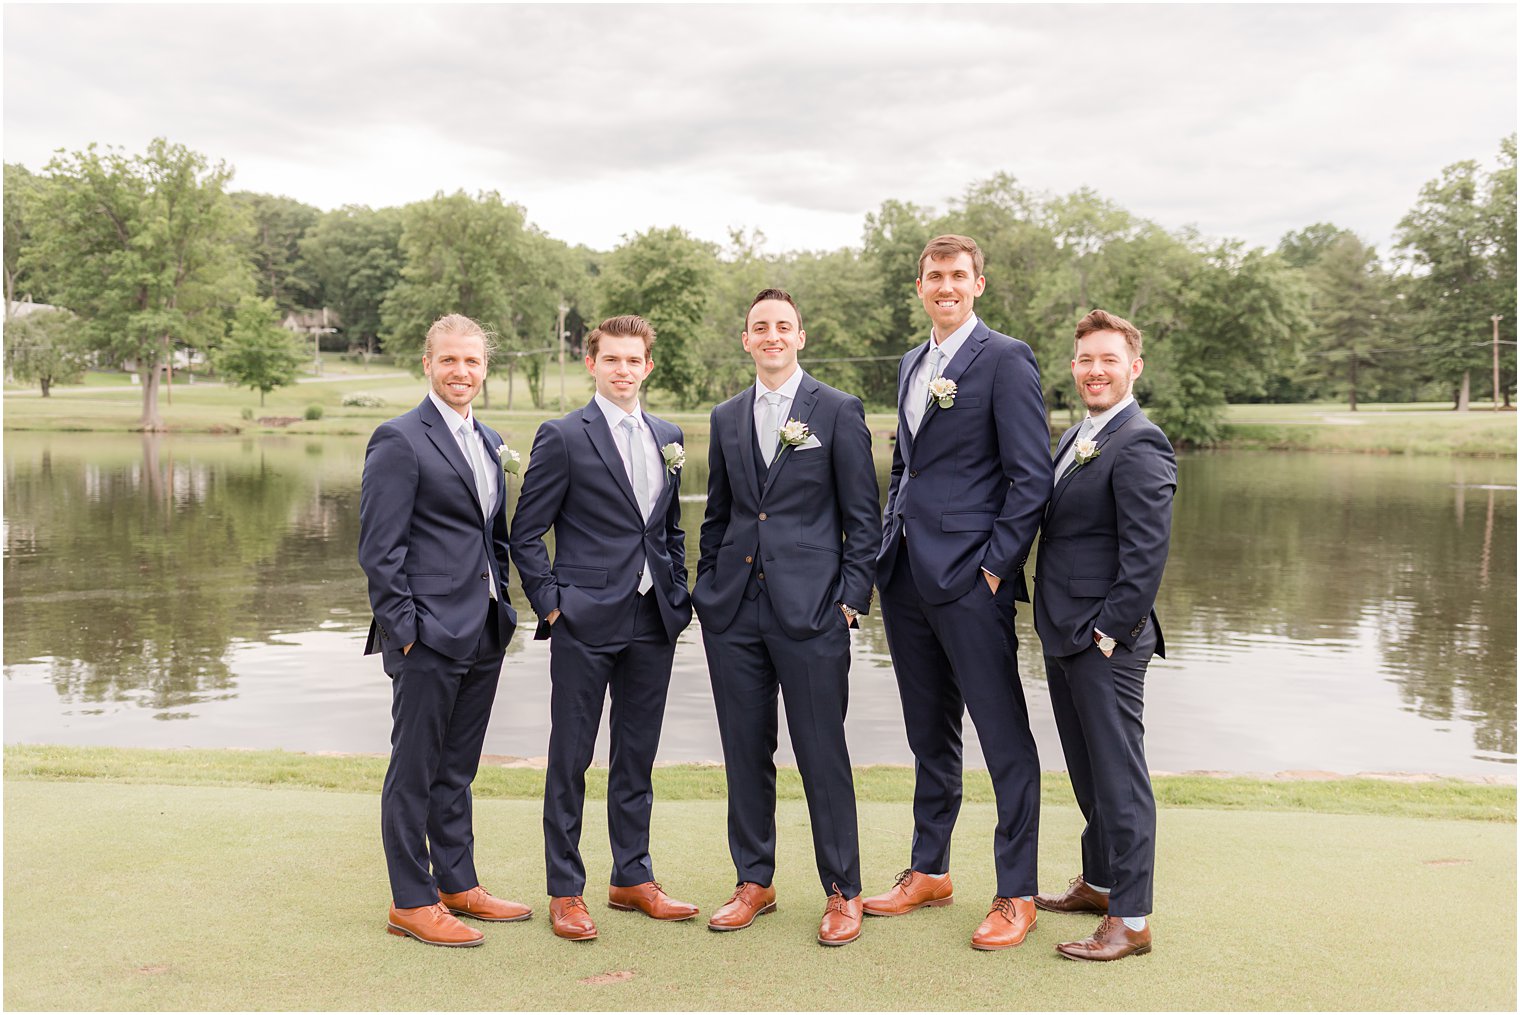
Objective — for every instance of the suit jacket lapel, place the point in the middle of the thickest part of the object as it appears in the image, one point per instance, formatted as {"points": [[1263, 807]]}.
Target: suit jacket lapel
{"points": [[601, 439], [663, 435], [493, 459], [911, 363], [802, 409], [443, 439], [745, 407], [1113, 426], [969, 351]]}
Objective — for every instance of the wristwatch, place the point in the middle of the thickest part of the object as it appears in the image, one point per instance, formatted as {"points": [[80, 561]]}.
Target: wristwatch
{"points": [[1106, 644], [850, 613]]}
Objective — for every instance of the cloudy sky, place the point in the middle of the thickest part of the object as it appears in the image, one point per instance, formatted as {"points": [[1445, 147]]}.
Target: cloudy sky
{"points": [[1244, 121]]}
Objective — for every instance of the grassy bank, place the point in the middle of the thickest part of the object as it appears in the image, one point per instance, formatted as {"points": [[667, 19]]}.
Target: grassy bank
{"points": [[232, 880], [106, 404], [509, 780]]}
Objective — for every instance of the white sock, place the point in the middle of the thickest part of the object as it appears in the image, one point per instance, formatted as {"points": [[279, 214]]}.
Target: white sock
{"points": [[1100, 891], [1134, 922]]}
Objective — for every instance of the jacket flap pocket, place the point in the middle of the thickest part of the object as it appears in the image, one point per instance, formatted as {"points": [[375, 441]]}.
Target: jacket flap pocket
{"points": [[1089, 588], [586, 577], [967, 521], [430, 584]]}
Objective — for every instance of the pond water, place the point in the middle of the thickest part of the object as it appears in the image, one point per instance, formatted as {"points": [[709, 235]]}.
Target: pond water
{"points": [[1337, 612]]}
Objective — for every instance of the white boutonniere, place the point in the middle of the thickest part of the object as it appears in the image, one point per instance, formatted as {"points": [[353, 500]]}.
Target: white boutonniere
{"points": [[942, 390], [794, 432], [511, 461], [675, 457], [1086, 451]]}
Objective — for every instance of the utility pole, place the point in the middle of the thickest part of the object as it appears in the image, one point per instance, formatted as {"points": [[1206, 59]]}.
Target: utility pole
{"points": [[1495, 318], [563, 310]]}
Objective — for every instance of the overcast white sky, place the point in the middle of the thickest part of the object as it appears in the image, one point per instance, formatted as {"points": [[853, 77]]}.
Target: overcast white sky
{"points": [[1245, 121]]}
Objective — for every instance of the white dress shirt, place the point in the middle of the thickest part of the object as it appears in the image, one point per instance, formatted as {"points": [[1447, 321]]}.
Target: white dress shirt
{"points": [[918, 386], [451, 418], [788, 393], [654, 463], [1099, 422]]}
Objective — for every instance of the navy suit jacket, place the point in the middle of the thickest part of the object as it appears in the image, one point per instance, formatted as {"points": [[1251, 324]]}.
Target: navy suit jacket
{"points": [[576, 482], [822, 525], [424, 544], [972, 485], [1104, 543]]}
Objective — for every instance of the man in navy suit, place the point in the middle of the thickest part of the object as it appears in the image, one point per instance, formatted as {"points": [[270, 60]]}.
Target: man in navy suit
{"points": [[433, 545], [970, 478], [788, 549], [1102, 551], [607, 479]]}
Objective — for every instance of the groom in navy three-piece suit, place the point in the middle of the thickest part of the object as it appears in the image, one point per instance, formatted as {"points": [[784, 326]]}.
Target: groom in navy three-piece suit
{"points": [[1103, 548], [788, 548], [612, 603], [433, 546], [970, 478]]}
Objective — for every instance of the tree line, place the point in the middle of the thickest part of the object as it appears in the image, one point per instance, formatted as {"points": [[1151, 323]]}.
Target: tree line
{"points": [[153, 252]]}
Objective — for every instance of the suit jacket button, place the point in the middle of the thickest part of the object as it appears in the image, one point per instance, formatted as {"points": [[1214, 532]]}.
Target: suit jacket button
{"points": [[762, 576], [762, 516], [912, 473], [485, 576], [749, 560]]}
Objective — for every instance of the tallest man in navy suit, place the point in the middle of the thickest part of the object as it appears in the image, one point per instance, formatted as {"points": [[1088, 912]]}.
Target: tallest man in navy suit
{"points": [[433, 544], [970, 478]]}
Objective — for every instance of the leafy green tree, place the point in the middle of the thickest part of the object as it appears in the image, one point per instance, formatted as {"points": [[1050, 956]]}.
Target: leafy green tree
{"points": [[46, 348], [20, 187], [273, 249], [146, 249], [1453, 241], [1352, 309], [354, 258], [667, 277], [257, 352]]}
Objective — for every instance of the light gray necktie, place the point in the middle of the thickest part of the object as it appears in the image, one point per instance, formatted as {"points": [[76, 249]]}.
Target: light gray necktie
{"points": [[770, 426], [640, 480], [1083, 432], [482, 488], [936, 360], [472, 454]]}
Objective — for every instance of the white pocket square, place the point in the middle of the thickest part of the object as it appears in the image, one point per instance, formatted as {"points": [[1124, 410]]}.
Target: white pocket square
{"points": [[811, 442]]}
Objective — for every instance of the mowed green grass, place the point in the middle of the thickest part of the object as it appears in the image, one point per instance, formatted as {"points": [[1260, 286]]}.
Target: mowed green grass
{"points": [[155, 896]]}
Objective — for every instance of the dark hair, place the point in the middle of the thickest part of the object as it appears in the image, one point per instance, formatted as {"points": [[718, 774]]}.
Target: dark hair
{"points": [[1102, 320], [949, 245], [623, 326], [773, 294]]}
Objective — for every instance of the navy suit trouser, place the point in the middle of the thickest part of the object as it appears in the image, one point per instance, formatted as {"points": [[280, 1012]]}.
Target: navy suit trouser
{"points": [[953, 658], [1099, 705], [748, 663], [636, 669], [439, 711]]}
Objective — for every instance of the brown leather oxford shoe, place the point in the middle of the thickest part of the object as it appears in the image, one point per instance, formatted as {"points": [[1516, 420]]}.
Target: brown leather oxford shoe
{"points": [[841, 920], [1079, 897], [1007, 924], [748, 901], [482, 905], [651, 900], [1112, 940], [912, 891], [570, 918], [432, 925]]}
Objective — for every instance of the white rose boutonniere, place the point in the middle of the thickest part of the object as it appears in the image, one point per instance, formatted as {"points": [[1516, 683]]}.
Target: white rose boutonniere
{"points": [[675, 457], [942, 390], [511, 461], [794, 432], [1086, 451]]}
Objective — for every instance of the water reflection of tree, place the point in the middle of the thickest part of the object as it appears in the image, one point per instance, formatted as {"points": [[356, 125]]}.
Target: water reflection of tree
{"points": [[136, 574], [1317, 548]]}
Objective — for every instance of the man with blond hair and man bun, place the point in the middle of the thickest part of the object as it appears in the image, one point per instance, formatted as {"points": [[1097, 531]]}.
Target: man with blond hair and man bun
{"points": [[433, 545]]}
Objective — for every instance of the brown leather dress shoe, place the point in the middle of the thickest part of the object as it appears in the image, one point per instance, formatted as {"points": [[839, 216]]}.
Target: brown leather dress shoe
{"points": [[482, 905], [651, 900], [570, 918], [841, 920], [433, 925], [748, 901], [1112, 940], [1079, 897], [912, 891], [1007, 924]]}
